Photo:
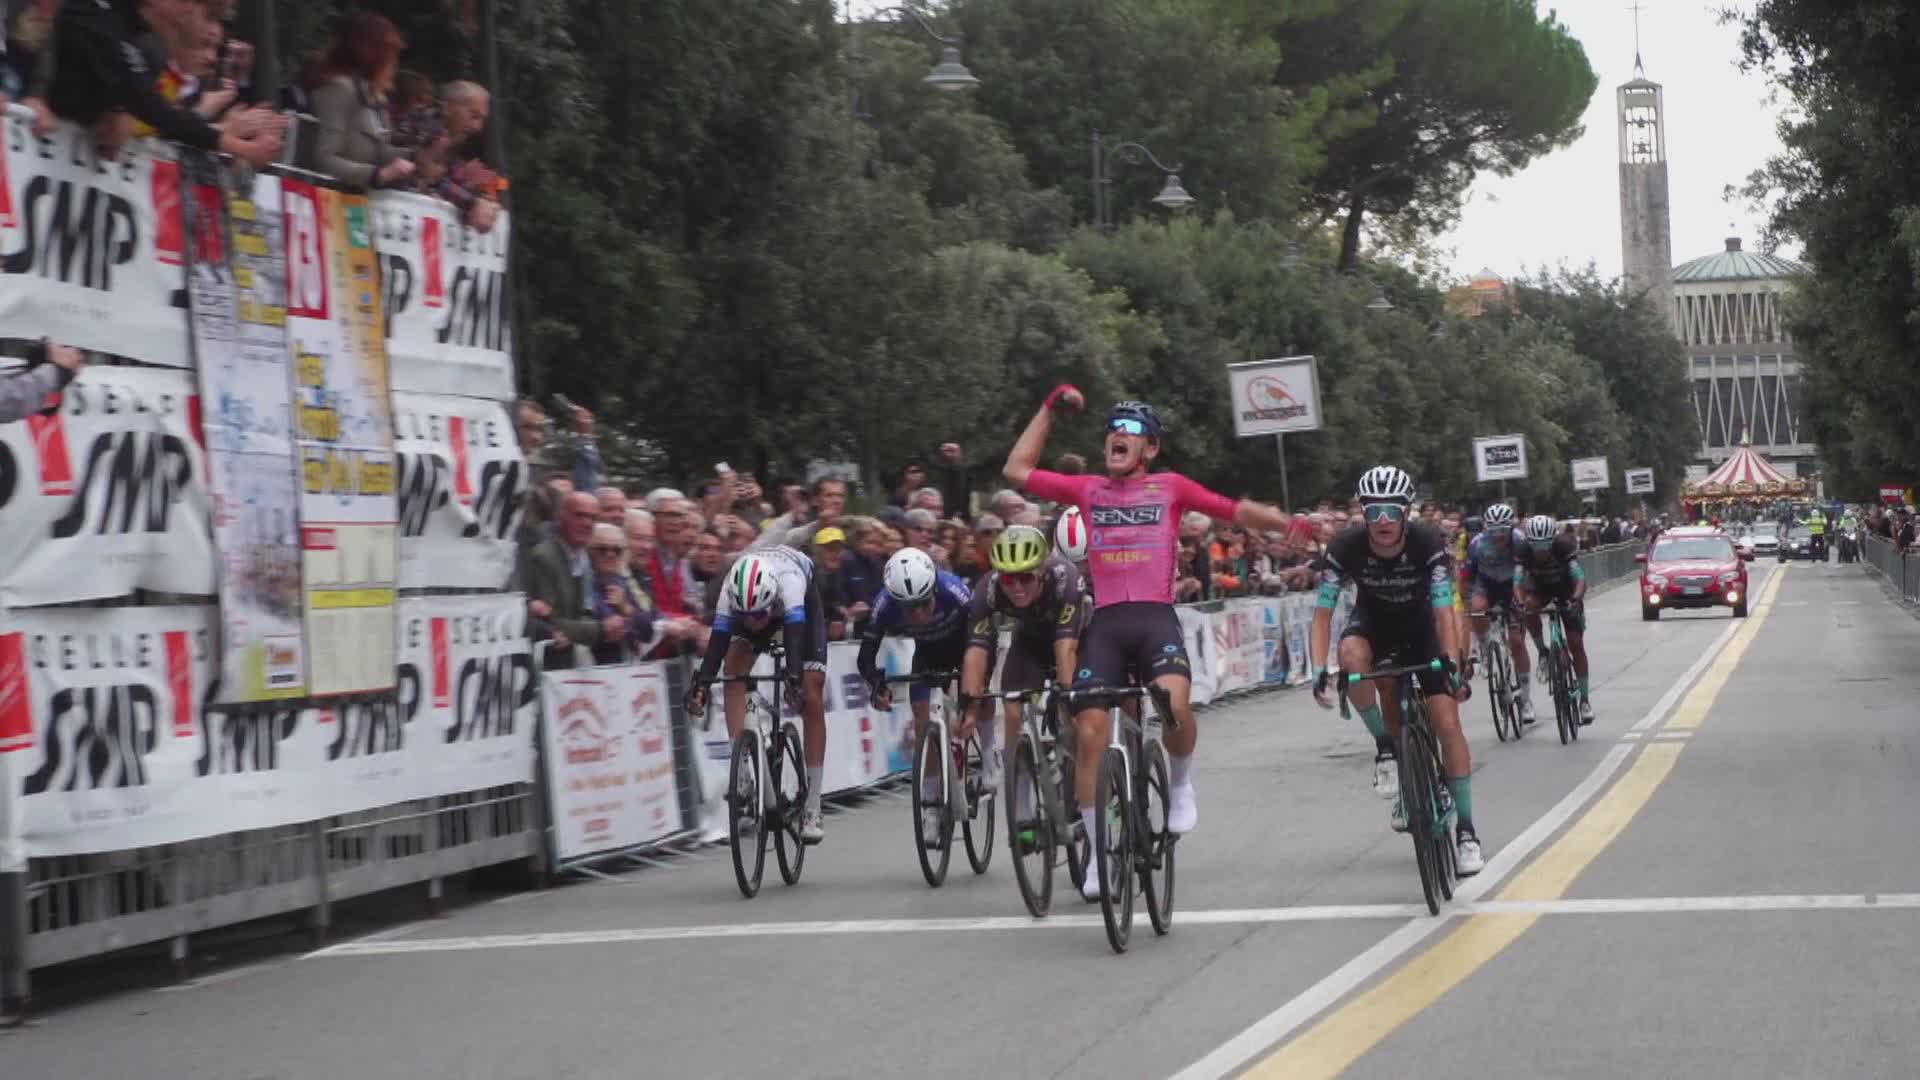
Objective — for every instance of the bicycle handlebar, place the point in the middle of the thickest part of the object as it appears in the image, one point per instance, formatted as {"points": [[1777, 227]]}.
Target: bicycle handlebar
{"points": [[1344, 679], [1099, 695], [934, 678]]}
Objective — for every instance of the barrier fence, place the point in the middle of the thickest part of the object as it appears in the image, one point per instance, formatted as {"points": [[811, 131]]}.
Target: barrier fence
{"points": [[1898, 568]]}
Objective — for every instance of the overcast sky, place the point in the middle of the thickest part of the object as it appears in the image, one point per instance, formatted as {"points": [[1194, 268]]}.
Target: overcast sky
{"points": [[1566, 207]]}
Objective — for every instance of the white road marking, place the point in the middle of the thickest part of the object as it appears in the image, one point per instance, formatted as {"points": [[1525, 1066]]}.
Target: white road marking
{"points": [[1656, 905], [1283, 1021]]}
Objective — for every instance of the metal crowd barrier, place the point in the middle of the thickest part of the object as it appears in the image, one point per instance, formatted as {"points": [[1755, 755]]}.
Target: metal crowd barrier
{"points": [[1898, 568]]}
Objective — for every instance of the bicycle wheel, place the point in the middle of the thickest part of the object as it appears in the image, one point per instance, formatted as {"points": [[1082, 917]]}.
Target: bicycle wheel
{"points": [[1511, 679], [1076, 846], [1030, 836], [926, 765], [1556, 678], [1156, 875], [982, 808], [746, 825], [1569, 690], [1419, 803], [1498, 700], [789, 776], [1113, 847]]}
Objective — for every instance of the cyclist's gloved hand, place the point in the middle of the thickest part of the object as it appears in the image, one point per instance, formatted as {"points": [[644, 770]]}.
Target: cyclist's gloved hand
{"points": [[1066, 398], [696, 700], [1321, 683], [879, 694]]}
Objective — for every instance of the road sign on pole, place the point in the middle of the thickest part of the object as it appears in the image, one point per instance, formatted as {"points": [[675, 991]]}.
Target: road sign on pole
{"points": [[1500, 457], [1273, 397], [1639, 481], [1591, 474]]}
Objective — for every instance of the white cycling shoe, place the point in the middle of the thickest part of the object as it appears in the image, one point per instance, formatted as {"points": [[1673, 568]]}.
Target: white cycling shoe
{"points": [[1466, 856], [1090, 888], [812, 828], [1586, 712], [1182, 812], [1386, 777]]}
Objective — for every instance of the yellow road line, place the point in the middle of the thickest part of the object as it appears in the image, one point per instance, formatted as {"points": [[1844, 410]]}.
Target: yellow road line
{"points": [[1341, 1037]]}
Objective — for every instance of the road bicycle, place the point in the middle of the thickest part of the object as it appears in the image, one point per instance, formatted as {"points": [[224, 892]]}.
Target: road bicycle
{"points": [[963, 795], [1559, 664], [766, 783], [1424, 797], [1131, 840], [1502, 687], [1043, 821]]}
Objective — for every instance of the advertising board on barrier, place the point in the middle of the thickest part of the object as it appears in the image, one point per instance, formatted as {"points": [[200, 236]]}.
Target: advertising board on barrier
{"points": [[107, 743], [449, 322], [1239, 647], [237, 284], [608, 745], [462, 487], [91, 250], [108, 494], [344, 426]]}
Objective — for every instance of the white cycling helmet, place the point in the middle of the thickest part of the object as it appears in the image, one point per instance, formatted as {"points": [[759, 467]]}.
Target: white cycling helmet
{"points": [[1070, 535], [1497, 515], [1541, 527], [751, 588], [1385, 483], [909, 576]]}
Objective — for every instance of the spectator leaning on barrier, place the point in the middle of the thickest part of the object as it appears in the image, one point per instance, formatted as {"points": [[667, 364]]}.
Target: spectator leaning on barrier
{"points": [[640, 550], [467, 182], [49, 369], [710, 561], [611, 595], [860, 571], [829, 561], [354, 144], [560, 576], [612, 503], [108, 56]]}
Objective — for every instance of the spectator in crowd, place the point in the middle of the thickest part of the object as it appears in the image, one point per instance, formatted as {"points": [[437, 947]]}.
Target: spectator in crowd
{"points": [[1007, 504], [913, 477], [641, 548], [953, 479], [530, 421], [750, 502], [918, 529], [26, 63], [1071, 465], [929, 499], [710, 560], [671, 573], [1228, 554], [613, 506], [1029, 516], [50, 367], [968, 557], [1193, 578], [611, 595], [986, 529], [820, 509], [355, 144], [108, 61], [829, 562], [560, 576], [536, 524], [466, 181], [860, 579]]}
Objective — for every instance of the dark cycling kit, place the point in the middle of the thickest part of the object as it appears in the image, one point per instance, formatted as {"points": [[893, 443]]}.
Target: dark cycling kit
{"points": [[938, 643], [1489, 568], [1550, 574], [1395, 596], [1059, 613]]}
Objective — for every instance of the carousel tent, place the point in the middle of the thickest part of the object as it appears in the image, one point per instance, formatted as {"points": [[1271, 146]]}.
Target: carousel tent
{"points": [[1746, 476]]}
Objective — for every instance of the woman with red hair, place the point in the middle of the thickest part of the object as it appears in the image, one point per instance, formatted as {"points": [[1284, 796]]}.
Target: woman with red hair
{"points": [[350, 101]]}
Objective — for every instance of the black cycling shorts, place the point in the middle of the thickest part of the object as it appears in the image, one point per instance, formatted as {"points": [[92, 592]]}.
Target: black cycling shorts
{"points": [[1499, 594], [1029, 661], [1134, 638], [1572, 612], [1398, 640], [816, 637], [937, 654]]}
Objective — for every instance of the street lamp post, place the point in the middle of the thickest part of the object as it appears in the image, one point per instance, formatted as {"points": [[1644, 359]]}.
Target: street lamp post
{"points": [[1172, 195], [949, 76]]}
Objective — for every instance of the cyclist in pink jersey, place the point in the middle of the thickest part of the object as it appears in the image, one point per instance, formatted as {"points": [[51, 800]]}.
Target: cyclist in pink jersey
{"points": [[1133, 525]]}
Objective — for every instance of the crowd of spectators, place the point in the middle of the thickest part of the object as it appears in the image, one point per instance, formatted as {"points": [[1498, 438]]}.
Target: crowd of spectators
{"points": [[128, 68]]}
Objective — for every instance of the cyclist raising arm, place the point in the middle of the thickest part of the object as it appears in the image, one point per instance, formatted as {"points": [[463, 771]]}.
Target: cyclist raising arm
{"points": [[1133, 523], [1403, 609]]}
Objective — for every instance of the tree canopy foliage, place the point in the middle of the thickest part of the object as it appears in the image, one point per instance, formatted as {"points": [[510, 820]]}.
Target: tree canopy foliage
{"points": [[748, 231]]}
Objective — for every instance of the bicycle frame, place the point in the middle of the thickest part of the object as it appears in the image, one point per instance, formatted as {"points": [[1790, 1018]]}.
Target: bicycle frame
{"points": [[942, 684], [764, 715]]}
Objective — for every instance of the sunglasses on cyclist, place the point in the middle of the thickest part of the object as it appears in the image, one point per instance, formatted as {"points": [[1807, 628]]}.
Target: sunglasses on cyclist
{"points": [[1126, 425], [1023, 578], [1385, 512]]}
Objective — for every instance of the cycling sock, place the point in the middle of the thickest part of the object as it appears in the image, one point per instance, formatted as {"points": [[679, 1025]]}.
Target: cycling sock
{"points": [[814, 773], [1383, 747], [1086, 822], [1180, 765], [1462, 789], [1583, 688], [1370, 716], [1525, 681]]}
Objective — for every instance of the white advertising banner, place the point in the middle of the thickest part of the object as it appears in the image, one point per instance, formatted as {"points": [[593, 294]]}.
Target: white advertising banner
{"points": [[92, 251], [1239, 647], [462, 486], [1500, 457], [1590, 474], [1196, 628], [1639, 481], [1273, 397], [107, 741], [449, 322], [608, 741], [108, 494]]}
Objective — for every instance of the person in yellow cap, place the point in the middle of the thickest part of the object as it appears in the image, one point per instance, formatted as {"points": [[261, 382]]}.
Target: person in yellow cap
{"points": [[829, 551]]}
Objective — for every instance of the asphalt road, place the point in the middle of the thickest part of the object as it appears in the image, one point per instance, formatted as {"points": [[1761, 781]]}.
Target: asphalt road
{"points": [[1719, 879]]}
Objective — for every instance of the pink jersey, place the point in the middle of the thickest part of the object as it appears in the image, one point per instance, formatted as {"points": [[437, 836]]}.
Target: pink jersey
{"points": [[1133, 528]]}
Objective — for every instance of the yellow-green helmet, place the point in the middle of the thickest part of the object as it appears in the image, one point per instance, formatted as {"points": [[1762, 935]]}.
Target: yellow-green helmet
{"points": [[1019, 549]]}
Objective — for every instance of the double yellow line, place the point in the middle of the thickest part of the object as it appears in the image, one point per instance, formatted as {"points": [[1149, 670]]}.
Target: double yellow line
{"points": [[1342, 1036]]}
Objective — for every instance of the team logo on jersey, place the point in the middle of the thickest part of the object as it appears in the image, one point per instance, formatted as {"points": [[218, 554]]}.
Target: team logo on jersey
{"points": [[1127, 515], [1066, 614]]}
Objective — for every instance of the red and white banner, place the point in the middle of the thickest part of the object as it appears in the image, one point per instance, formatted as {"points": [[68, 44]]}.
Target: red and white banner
{"points": [[449, 321], [107, 741], [91, 251], [108, 494], [608, 742], [462, 487]]}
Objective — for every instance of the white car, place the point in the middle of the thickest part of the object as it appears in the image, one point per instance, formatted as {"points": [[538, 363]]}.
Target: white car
{"points": [[1765, 538]]}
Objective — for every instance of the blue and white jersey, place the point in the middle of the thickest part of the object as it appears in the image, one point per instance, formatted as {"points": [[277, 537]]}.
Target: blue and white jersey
{"points": [[1488, 559], [950, 599]]}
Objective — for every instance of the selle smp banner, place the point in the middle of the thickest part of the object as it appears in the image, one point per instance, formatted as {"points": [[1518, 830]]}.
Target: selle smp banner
{"points": [[463, 486], [108, 493], [449, 327], [107, 741], [92, 251]]}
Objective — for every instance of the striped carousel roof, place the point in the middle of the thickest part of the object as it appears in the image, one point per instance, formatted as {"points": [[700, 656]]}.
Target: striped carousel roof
{"points": [[1746, 466]]}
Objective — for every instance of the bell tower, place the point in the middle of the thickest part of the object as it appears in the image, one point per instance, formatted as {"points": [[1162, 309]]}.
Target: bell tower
{"points": [[1646, 221]]}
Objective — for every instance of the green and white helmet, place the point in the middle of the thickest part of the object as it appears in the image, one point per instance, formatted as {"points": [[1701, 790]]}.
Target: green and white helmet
{"points": [[751, 588]]}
